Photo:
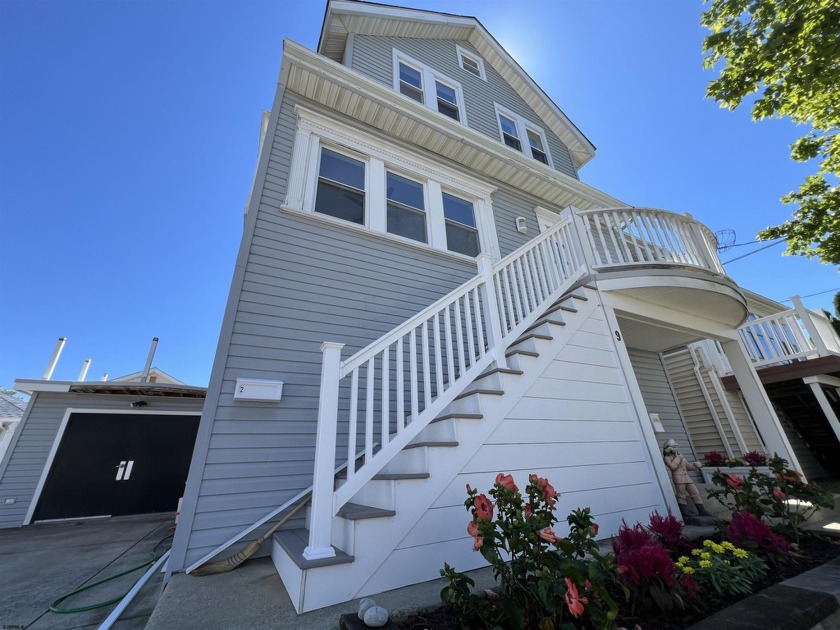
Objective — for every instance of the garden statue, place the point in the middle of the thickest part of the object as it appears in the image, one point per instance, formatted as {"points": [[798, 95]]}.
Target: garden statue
{"points": [[683, 484]]}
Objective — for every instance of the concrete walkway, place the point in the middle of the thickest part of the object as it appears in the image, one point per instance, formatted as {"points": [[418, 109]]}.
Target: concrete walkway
{"points": [[39, 563]]}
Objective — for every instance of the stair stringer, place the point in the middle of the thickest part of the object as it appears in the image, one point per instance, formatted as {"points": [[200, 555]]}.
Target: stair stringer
{"points": [[376, 539]]}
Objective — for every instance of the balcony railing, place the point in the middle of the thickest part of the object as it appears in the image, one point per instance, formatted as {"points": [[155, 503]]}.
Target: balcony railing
{"points": [[791, 335], [626, 237]]}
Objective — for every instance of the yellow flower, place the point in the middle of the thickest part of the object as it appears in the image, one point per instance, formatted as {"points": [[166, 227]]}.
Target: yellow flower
{"points": [[707, 543], [717, 548], [728, 545], [726, 562], [705, 564], [705, 555], [741, 553], [695, 552], [682, 560], [688, 570]]}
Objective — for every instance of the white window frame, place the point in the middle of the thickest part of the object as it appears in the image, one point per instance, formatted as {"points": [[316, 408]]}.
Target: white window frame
{"points": [[523, 126], [315, 130], [463, 53], [429, 76]]}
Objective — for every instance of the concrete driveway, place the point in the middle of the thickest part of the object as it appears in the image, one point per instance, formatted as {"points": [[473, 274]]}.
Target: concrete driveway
{"points": [[39, 563]]}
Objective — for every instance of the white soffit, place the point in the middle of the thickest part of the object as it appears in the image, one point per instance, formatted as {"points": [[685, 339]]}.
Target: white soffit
{"points": [[344, 17]]}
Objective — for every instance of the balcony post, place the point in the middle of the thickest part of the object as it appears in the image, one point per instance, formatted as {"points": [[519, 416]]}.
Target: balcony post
{"points": [[320, 519], [805, 315], [490, 304], [583, 241]]}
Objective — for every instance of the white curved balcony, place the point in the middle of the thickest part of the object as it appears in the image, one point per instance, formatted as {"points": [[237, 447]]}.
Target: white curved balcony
{"points": [[630, 237]]}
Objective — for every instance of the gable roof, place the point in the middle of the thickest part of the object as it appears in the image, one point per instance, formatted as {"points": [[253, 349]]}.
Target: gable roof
{"points": [[11, 407], [160, 377], [343, 17]]}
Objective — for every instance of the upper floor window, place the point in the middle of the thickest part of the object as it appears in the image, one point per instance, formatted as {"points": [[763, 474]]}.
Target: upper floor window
{"points": [[522, 135], [472, 63], [421, 83], [346, 176]]}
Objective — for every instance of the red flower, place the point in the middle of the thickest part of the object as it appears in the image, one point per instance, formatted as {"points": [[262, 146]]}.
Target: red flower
{"points": [[734, 482], [528, 511], [779, 494], [547, 535], [548, 492], [506, 481], [483, 507], [573, 600], [472, 529], [593, 531], [479, 541]]}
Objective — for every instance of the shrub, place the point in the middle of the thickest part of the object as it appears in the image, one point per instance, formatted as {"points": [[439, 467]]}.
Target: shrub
{"points": [[713, 459], [724, 568], [545, 581], [668, 530], [781, 496], [754, 459], [647, 570], [750, 532]]}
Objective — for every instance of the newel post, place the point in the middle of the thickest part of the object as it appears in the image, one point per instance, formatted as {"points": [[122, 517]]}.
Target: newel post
{"points": [[492, 323], [813, 331], [320, 520]]}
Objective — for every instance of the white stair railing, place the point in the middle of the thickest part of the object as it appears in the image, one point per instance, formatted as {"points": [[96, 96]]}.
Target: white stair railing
{"points": [[646, 236], [389, 391]]}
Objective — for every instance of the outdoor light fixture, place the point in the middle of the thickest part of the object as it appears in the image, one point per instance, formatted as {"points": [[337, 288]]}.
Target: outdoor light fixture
{"points": [[138, 403], [520, 225]]}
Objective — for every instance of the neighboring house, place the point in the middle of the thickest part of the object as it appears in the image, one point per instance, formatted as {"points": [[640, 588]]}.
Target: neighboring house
{"points": [[11, 410], [92, 448], [427, 291]]}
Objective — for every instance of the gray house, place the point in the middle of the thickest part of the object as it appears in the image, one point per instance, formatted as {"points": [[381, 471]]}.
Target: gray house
{"points": [[426, 295]]}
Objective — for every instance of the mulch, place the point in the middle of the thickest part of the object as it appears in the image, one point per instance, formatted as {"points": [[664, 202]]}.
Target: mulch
{"points": [[811, 553]]}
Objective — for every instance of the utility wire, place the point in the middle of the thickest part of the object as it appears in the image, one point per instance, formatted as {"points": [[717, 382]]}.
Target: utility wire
{"points": [[774, 241], [753, 252], [813, 294]]}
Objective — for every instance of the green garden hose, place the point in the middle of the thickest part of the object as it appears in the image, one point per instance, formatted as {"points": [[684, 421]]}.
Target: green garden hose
{"points": [[67, 611]]}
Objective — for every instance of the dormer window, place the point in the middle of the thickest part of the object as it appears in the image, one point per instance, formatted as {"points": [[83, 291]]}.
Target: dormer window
{"points": [[421, 83], [515, 130], [471, 63]]}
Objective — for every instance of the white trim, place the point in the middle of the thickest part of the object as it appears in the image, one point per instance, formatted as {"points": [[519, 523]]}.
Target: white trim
{"points": [[347, 60], [475, 58], [523, 126], [546, 218], [36, 496], [316, 131], [428, 78]]}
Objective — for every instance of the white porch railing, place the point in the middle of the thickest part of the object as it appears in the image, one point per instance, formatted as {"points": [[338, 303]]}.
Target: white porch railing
{"points": [[388, 392], [644, 236], [798, 333]]}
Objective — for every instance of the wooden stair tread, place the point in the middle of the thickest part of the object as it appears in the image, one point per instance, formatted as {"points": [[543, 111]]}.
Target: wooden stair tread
{"points": [[527, 353], [443, 444], [294, 541], [356, 512], [400, 476], [490, 392], [463, 416], [499, 371]]}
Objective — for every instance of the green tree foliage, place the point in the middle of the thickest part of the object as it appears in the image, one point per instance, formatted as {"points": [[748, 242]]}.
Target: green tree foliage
{"points": [[787, 54]]}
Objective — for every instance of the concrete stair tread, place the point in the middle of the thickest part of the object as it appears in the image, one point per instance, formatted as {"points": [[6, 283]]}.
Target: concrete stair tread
{"points": [[448, 444], [401, 476], [356, 512], [489, 392], [294, 541]]}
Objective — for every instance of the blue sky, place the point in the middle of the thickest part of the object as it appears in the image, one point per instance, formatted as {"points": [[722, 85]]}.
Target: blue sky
{"points": [[128, 140]]}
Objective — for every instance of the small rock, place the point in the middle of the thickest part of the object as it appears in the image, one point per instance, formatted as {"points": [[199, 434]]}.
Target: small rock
{"points": [[376, 617], [365, 605]]}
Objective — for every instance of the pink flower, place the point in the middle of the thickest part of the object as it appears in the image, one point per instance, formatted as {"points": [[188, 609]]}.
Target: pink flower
{"points": [[506, 481], [573, 600], [734, 482], [483, 507], [593, 531], [779, 494], [479, 541], [528, 511], [472, 529], [547, 535], [548, 492]]}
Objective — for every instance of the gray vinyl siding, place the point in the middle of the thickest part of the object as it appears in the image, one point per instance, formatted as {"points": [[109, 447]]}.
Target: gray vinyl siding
{"points": [[508, 204], [656, 392], [373, 57], [745, 423], [306, 281], [36, 434]]}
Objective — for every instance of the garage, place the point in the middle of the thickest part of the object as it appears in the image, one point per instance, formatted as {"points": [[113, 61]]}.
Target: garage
{"points": [[116, 464]]}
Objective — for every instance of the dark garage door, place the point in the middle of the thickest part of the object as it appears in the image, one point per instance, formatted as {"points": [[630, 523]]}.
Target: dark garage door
{"points": [[116, 464]]}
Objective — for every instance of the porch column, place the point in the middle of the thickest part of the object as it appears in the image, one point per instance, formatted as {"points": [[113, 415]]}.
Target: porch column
{"points": [[815, 383], [759, 403]]}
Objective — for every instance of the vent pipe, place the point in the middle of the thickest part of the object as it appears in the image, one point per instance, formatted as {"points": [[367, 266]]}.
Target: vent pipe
{"points": [[54, 358], [145, 377], [83, 373], [104, 376]]}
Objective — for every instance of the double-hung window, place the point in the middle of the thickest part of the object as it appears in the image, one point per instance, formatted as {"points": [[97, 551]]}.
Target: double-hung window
{"points": [[350, 179], [421, 83], [341, 187], [471, 62], [522, 135], [406, 207]]}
